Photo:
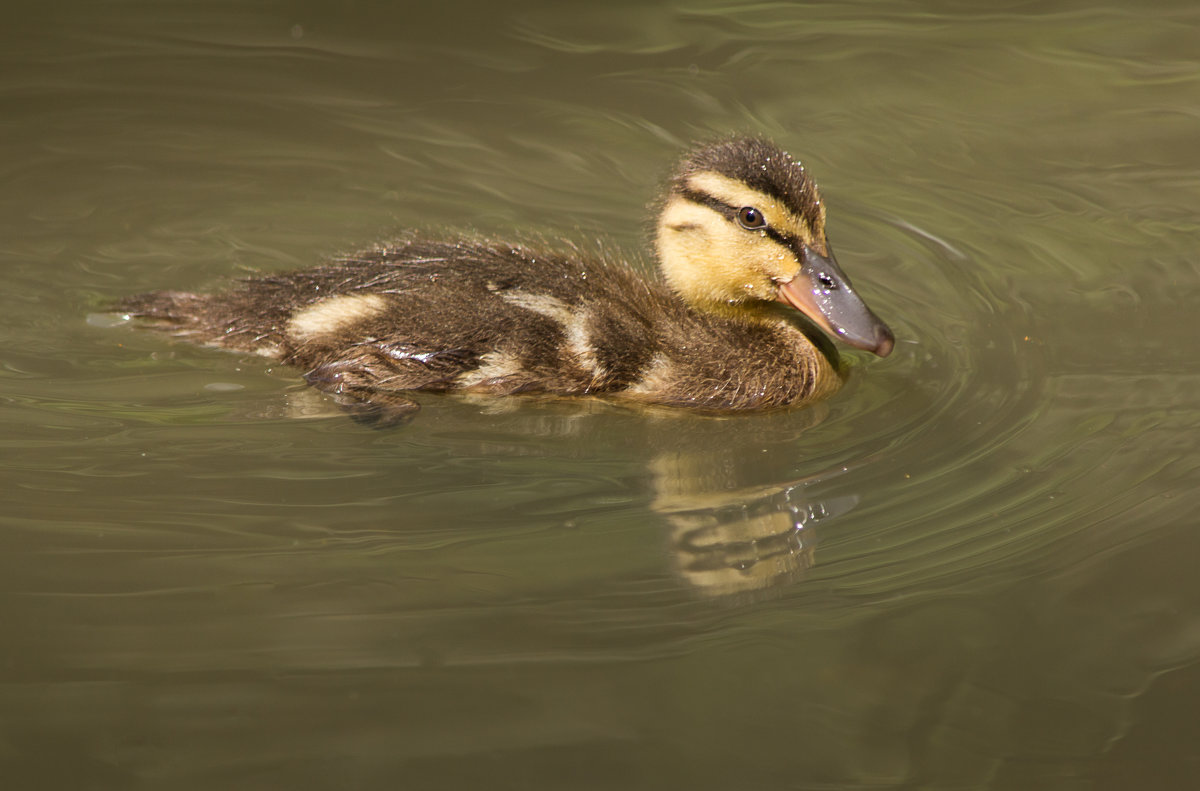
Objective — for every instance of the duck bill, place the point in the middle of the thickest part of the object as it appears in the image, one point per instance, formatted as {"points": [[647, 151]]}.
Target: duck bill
{"points": [[822, 292]]}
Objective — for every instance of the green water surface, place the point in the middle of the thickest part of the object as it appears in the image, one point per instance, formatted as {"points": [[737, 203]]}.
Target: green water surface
{"points": [[973, 568]]}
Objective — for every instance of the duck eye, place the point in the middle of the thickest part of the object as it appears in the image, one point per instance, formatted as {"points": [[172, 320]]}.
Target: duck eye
{"points": [[751, 218]]}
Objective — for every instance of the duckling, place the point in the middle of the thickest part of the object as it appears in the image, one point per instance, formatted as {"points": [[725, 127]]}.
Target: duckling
{"points": [[743, 253]]}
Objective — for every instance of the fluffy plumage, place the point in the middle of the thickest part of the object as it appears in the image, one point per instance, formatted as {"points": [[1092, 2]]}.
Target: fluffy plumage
{"points": [[493, 318]]}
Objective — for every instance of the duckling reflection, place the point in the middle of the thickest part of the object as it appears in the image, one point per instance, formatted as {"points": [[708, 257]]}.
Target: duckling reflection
{"points": [[729, 543], [730, 532]]}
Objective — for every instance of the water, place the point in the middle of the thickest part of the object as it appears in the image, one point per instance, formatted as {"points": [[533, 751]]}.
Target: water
{"points": [[970, 569]]}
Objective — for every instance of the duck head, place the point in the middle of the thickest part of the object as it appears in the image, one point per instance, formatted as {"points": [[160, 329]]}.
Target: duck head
{"points": [[743, 226]]}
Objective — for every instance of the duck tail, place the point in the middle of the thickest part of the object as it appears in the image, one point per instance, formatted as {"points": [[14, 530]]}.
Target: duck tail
{"points": [[199, 318], [166, 310]]}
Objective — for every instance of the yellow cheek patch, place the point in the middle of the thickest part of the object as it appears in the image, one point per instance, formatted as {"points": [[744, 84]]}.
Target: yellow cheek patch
{"points": [[710, 260], [735, 193]]}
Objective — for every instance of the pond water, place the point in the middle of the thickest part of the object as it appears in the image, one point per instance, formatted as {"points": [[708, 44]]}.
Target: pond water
{"points": [[972, 568]]}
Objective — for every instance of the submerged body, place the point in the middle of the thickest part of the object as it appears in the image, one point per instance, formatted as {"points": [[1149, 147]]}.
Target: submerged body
{"points": [[500, 319]]}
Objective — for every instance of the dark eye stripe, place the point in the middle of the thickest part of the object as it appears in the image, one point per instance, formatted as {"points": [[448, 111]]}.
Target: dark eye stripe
{"points": [[789, 241]]}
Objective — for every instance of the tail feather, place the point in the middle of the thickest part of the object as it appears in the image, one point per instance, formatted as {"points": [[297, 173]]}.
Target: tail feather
{"points": [[208, 319], [165, 309]]}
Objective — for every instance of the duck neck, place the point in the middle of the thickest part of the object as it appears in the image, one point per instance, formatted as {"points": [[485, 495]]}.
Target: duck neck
{"points": [[771, 314]]}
